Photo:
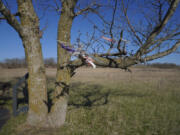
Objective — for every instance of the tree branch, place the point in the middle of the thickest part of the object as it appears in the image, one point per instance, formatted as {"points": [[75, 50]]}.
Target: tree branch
{"points": [[98, 14], [119, 42], [3, 18], [10, 17], [111, 26], [88, 8], [157, 29], [130, 25], [153, 48], [168, 15], [164, 53]]}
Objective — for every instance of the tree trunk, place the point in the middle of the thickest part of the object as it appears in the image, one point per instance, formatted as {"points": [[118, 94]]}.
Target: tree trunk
{"points": [[37, 89], [38, 110], [60, 96]]}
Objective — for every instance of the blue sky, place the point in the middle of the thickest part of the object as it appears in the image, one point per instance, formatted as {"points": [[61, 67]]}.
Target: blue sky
{"points": [[11, 44]]}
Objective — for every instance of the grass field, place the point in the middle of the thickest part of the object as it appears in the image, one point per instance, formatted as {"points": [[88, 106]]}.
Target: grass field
{"points": [[111, 102]]}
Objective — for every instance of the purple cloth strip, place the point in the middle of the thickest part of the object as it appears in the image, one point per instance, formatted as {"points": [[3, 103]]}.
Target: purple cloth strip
{"points": [[67, 48]]}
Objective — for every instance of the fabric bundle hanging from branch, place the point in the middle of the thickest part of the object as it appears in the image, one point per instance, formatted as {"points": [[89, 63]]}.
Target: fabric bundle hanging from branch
{"points": [[79, 53]]}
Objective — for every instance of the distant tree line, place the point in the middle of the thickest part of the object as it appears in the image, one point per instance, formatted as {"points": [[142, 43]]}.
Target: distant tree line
{"points": [[163, 65], [13, 63], [21, 63], [159, 65], [51, 63]]}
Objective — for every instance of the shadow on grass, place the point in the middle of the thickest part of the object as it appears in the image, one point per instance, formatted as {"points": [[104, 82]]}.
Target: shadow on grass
{"points": [[89, 95], [4, 116], [4, 100], [5, 92]]}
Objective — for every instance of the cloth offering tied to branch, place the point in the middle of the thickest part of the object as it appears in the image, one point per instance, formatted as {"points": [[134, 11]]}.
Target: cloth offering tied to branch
{"points": [[113, 40], [78, 52]]}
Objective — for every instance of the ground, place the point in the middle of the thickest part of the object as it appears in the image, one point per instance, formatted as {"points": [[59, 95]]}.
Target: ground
{"points": [[110, 102]]}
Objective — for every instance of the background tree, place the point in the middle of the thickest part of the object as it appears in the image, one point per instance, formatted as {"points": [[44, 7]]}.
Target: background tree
{"points": [[114, 54], [50, 62]]}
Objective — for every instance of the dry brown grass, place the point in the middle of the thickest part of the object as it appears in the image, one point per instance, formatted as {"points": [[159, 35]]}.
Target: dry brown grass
{"points": [[117, 75], [149, 77], [112, 101], [102, 74]]}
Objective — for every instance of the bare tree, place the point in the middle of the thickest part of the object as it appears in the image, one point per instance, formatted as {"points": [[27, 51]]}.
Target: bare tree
{"points": [[28, 30], [155, 37]]}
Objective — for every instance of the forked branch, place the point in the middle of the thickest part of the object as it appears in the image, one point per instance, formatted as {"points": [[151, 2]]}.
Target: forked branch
{"points": [[157, 29], [11, 19]]}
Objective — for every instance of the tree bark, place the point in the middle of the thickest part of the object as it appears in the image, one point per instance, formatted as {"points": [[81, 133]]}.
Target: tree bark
{"points": [[37, 89], [60, 95]]}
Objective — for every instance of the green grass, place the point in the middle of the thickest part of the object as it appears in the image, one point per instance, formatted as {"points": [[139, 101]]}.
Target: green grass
{"points": [[131, 110], [124, 109], [10, 127]]}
